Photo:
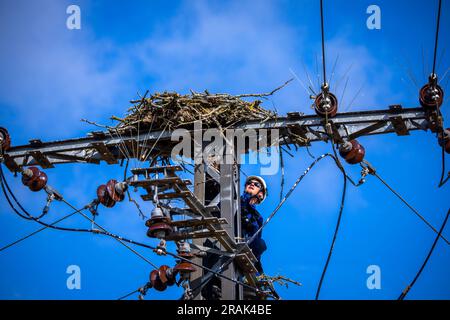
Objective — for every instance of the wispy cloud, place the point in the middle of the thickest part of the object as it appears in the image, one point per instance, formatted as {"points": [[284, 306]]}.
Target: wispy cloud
{"points": [[52, 76]]}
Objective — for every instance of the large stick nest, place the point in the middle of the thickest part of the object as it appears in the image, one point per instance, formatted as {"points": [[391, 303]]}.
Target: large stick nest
{"points": [[170, 110]]}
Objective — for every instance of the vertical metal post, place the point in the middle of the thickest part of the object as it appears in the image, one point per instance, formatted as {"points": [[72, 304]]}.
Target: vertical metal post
{"points": [[230, 210], [199, 191]]}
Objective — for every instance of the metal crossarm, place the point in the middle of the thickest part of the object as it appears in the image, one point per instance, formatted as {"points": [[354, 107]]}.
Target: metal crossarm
{"points": [[105, 146]]}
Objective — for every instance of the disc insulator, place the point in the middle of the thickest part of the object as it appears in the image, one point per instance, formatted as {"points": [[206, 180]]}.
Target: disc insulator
{"points": [[431, 96], [104, 198], [352, 151], [159, 230], [34, 179], [326, 105], [156, 282], [117, 194], [167, 275]]}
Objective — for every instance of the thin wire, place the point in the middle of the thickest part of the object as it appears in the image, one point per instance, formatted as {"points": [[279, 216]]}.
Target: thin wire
{"points": [[311, 88], [405, 292], [282, 172], [119, 239], [443, 180], [437, 34], [301, 82], [39, 230], [3, 181], [323, 42], [129, 294], [299, 179], [122, 240], [341, 209], [332, 71], [408, 205]]}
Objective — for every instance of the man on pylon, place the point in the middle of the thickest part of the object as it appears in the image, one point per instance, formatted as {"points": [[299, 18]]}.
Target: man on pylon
{"points": [[255, 192]]}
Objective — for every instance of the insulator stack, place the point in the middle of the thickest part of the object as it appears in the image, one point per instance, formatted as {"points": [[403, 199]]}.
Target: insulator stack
{"points": [[5, 139], [431, 95], [167, 275], [158, 224], [352, 151], [34, 179], [444, 140], [156, 282], [162, 278], [326, 105], [111, 192], [183, 267]]}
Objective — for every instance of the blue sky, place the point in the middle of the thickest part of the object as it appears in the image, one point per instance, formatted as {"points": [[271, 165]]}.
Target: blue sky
{"points": [[52, 77]]}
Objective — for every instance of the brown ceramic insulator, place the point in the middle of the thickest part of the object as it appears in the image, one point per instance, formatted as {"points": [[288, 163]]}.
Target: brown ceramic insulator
{"points": [[5, 139], [355, 154], [319, 102], [153, 221], [37, 181], [157, 217], [111, 188], [104, 198], [186, 255], [159, 227], [156, 282], [445, 140], [184, 267], [166, 275], [426, 96], [447, 146]]}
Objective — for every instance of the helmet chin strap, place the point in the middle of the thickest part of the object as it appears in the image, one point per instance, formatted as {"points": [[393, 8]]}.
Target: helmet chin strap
{"points": [[254, 197]]}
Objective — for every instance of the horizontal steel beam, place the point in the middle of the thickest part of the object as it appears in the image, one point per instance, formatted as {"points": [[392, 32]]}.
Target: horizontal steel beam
{"points": [[299, 129]]}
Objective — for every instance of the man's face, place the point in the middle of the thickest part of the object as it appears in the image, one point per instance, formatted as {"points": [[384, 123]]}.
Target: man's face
{"points": [[253, 187]]}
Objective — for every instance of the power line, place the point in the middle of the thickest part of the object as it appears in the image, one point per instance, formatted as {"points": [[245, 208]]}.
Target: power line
{"points": [[405, 292], [103, 231], [5, 183], [129, 294], [438, 19], [288, 194], [323, 42], [39, 230], [374, 173], [338, 223]]}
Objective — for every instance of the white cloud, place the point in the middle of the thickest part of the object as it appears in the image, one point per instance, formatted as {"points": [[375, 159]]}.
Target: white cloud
{"points": [[51, 76]]}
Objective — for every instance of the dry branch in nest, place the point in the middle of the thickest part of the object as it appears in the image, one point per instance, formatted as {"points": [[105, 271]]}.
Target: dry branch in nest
{"points": [[170, 110]]}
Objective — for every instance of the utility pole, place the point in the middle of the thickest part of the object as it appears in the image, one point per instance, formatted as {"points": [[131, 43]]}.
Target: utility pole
{"points": [[214, 201]]}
